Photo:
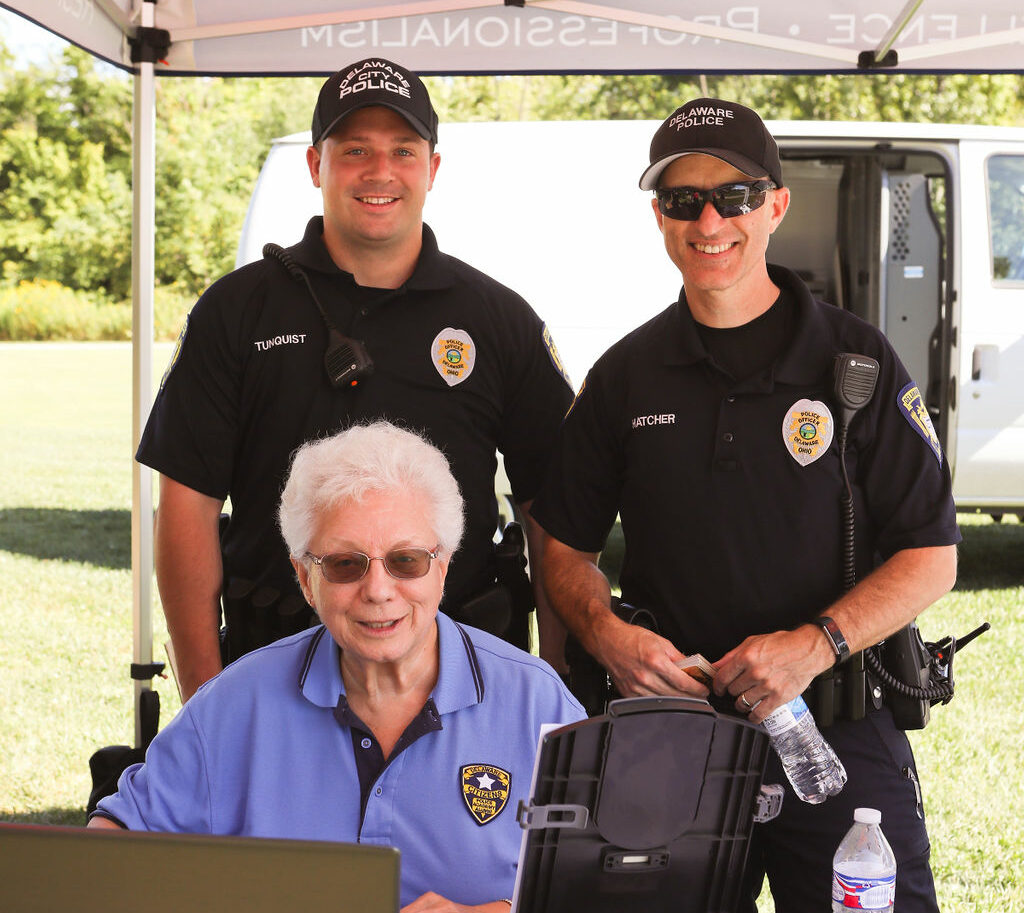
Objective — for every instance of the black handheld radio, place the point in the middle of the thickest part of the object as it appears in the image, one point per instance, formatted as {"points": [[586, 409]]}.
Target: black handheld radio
{"points": [[346, 360]]}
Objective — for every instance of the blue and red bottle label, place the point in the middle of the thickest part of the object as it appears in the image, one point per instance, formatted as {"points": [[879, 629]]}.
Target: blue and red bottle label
{"points": [[863, 893]]}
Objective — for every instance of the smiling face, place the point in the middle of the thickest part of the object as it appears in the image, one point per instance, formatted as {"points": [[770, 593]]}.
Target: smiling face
{"points": [[374, 171], [722, 260], [377, 619]]}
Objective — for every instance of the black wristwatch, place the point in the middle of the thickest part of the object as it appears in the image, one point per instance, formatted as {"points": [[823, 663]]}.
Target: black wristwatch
{"points": [[835, 637]]}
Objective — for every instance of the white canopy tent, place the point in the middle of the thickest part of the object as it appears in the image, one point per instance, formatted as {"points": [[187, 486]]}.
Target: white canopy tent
{"points": [[444, 37], [518, 36]]}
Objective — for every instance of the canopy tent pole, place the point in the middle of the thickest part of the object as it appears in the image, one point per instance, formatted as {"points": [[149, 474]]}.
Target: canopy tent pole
{"points": [[899, 23], [143, 273]]}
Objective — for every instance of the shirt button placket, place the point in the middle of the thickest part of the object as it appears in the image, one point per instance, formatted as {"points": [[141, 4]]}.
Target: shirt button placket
{"points": [[726, 457]]}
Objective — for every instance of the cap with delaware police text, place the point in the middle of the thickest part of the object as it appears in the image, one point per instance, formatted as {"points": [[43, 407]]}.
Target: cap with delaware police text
{"points": [[374, 81], [710, 126]]}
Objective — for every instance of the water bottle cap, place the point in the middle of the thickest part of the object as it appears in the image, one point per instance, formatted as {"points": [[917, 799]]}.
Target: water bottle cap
{"points": [[867, 816]]}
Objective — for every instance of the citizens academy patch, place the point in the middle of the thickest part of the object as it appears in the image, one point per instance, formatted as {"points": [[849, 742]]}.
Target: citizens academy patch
{"points": [[911, 404], [485, 790], [556, 359], [807, 430], [175, 353], [454, 355]]}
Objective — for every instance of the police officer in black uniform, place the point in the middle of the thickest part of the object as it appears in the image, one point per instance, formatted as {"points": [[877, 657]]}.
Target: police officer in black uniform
{"points": [[364, 318], [712, 431]]}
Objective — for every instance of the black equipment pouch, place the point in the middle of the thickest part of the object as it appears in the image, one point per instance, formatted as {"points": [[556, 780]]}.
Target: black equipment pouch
{"points": [[489, 610], [907, 659], [839, 693]]}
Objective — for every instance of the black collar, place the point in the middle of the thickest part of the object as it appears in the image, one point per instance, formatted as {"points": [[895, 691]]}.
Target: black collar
{"points": [[433, 269], [809, 353]]}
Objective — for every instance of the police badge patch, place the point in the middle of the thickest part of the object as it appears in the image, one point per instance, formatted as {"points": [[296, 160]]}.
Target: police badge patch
{"points": [[807, 430], [454, 355], [911, 404], [485, 790]]}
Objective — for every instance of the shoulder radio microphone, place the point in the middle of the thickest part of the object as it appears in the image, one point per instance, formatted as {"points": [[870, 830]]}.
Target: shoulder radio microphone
{"points": [[854, 379], [345, 359]]}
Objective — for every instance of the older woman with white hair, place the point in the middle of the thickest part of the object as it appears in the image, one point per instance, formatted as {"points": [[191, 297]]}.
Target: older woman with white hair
{"points": [[390, 723]]}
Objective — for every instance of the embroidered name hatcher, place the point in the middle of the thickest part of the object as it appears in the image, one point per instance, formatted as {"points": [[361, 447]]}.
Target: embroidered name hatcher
{"points": [[644, 421]]}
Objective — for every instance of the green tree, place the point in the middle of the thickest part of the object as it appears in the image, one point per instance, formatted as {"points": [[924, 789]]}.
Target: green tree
{"points": [[212, 137], [64, 150], [885, 96], [65, 146]]}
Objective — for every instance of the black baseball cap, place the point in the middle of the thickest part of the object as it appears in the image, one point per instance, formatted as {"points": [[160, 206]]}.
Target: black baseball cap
{"points": [[374, 81], [727, 130]]}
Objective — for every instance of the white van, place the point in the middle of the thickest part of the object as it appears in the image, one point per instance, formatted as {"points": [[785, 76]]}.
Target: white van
{"points": [[918, 228]]}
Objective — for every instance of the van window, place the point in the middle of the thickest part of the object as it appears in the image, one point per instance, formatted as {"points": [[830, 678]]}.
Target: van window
{"points": [[1006, 216]]}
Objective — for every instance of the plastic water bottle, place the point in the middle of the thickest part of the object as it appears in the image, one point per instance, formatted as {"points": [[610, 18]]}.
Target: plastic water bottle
{"points": [[809, 761], [864, 868]]}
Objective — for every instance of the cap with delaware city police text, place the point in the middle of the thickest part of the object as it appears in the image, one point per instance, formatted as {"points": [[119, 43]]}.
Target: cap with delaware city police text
{"points": [[710, 126], [374, 81]]}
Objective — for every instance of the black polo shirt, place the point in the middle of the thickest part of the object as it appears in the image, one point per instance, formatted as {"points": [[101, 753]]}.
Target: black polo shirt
{"points": [[727, 532], [457, 356]]}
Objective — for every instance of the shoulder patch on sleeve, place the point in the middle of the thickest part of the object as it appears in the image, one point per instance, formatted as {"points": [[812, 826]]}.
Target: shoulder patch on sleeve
{"points": [[174, 355], [911, 404], [575, 399], [556, 359]]}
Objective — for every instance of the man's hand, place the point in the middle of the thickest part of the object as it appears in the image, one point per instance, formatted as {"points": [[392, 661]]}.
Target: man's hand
{"points": [[774, 668], [641, 662], [769, 670]]}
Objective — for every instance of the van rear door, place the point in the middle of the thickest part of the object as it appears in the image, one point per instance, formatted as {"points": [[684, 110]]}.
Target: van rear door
{"points": [[870, 230], [989, 472]]}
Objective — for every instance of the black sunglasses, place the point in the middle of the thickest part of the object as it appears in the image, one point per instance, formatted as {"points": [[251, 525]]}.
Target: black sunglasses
{"points": [[400, 563], [685, 204]]}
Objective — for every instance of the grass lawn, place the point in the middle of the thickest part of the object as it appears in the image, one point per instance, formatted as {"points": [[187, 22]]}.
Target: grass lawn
{"points": [[65, 502]]}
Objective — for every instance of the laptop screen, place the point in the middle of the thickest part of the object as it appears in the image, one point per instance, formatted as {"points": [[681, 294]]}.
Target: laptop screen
{"points": [[69, 868]]}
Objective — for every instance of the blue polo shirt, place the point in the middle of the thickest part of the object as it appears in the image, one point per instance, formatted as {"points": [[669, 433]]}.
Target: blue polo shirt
{"points": [[262, 750]]}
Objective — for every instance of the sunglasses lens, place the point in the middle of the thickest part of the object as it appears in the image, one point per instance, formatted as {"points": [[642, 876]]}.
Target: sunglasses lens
{"points": [[344, 567], [737, 199], [685, 204], [681, 203]]}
